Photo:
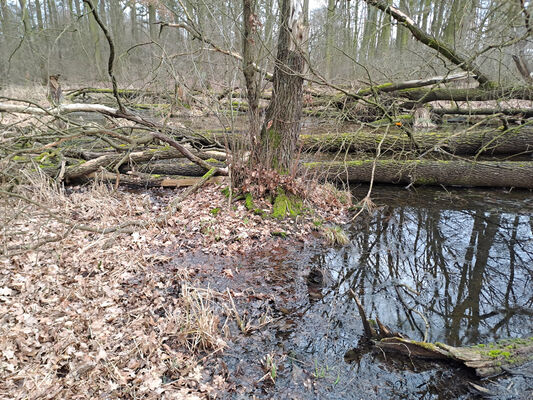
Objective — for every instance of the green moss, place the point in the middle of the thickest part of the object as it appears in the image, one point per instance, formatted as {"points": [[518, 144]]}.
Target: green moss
{"points": [[318, 223], [280, 234], [286, 205], [498, 353], [426, 181], [226, 191], [214, 211], [429, 346], [249, 201]]}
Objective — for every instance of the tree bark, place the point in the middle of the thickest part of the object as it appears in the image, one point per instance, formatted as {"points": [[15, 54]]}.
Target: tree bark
{"points": [[423, 95], [515, 174], [281, 129], [488, 142]]}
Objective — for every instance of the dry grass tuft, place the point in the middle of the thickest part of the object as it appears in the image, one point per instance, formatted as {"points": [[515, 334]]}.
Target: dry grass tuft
{"points": [[335, 235]]}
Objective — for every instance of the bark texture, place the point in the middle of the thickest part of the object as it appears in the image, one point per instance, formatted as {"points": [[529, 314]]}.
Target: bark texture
{"points": [[454, 173], [279, 135]]}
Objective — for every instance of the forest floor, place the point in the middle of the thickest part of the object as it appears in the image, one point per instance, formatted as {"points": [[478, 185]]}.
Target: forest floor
{"points": [[117, 315]]}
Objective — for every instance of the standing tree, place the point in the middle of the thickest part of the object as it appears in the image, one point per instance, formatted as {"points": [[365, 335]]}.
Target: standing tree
{"points": [[281, 128]]}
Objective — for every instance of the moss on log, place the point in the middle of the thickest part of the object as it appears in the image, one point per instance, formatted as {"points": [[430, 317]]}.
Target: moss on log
{"points": [[491, 141], [486, 360], [488, 141], [425, 172]]}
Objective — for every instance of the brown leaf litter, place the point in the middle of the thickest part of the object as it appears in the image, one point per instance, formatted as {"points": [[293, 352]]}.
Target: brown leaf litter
{"points": [[86, 315]]}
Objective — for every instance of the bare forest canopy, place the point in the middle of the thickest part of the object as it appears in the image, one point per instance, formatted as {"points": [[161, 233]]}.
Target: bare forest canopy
{"points": [[351, 42]]}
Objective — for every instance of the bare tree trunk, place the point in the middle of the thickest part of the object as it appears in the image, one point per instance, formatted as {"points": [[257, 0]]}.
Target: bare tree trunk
{"points": [[329, 36], [95, 37], [251, 76], [279, 135]]}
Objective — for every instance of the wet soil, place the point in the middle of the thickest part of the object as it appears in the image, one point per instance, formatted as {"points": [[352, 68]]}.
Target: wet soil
{"points": [[455, 265]]}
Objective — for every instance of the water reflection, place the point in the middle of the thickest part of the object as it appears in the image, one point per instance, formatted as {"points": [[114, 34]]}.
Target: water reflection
{"points": [[460, 273]]}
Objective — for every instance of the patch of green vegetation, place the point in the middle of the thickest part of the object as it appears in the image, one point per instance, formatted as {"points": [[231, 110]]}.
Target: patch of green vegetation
{"points": [[226, 191], [428, 346], [286, 205], [498, 353], [318, 223], [425, 181], [249, 201], [280, 234], [214, 211]]}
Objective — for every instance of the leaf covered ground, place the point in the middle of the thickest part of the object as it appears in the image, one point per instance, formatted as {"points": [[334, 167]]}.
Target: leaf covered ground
{"points": [[87, 315]]}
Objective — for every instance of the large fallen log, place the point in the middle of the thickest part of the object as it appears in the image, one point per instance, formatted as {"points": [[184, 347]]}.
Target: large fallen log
{"points": [[515, 174], [491, 141], [425, 95], [488, 141]]}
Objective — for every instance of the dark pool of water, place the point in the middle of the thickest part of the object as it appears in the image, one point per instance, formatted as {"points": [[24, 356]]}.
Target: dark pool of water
{"points": [[455, 265]]}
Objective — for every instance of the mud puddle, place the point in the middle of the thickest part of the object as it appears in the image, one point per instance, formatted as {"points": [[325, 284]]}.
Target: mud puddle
{"points": [[455, 266]]}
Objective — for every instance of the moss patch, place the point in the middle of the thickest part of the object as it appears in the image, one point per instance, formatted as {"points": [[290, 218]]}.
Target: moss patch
{"points": [[286, 205], [249, 201]]}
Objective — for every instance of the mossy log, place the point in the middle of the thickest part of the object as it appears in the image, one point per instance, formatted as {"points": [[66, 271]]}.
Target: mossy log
{"points": [[126, 93], [486, 360], [426, 95], [426, 172], [181, 167], [108, 161], [489, 141], [147, 180]]}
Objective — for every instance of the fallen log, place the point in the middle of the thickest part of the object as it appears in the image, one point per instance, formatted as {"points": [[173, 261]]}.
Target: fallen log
{"points": [[158, 130], [517, 112], [426, 95], [110, 160], [411, 84], [515, 174], [488, 141], [176, 167], [486, 359], [148, 181]]}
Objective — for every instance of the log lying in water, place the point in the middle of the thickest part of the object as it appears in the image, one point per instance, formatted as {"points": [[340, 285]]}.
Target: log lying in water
{"points": [[453, 173], [486, 360]]}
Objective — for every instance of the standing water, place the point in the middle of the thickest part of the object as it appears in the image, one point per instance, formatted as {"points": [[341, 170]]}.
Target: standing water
{"points": [[449, 266]]}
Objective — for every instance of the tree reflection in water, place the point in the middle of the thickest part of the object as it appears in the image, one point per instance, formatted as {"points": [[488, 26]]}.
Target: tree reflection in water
{"points": [[461, 272]]}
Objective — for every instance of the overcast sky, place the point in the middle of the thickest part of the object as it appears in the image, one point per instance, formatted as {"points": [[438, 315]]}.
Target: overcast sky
{"points": [[316, 3]]}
